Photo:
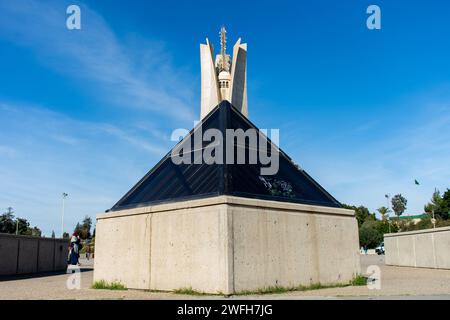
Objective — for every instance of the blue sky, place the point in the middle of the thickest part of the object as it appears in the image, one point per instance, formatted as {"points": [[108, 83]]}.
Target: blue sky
{"points": [[89, 112]]}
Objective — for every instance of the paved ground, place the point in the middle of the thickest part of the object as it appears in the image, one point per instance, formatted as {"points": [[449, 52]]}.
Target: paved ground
{"points": [[396, 283]]}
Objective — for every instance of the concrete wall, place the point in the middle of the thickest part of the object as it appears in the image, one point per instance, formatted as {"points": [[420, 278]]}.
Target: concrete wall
{"points": [[189, 249], [425, 248], [226, 244], [26, 255], [127, 243], [164, 250], [286, 247]]}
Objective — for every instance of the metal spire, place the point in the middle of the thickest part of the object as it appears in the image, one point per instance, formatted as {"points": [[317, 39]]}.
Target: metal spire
{"points": [[223, 45]]}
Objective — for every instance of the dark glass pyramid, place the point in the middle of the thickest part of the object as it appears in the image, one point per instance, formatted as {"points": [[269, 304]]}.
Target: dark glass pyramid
{"points": [[169, 182]]}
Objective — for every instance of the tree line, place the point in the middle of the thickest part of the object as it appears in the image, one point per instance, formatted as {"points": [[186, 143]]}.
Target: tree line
{"points": [[83, 229], [371, 229], [11, 224], [15, 225]]}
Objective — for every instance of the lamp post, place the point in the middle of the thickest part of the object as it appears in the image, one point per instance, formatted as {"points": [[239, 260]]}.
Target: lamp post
{"points": [[433, 220], [64, 196], [389, 220]]}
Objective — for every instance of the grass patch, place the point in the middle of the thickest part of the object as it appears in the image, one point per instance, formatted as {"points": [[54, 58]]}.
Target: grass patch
{"points": [[356, 281], [189, 291], [279, 289], [102, 284], [267, 290], [359, 280]]}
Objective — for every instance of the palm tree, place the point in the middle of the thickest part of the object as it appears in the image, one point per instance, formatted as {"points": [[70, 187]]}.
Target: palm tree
{"points": [[384, 212]]}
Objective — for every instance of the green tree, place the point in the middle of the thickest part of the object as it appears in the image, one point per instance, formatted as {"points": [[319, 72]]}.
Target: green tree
{"points": [[399, 204], [444, 209], [383, 227], [369, 234], [383, 212], [435, 203], [439, 205], [36, 232], [23, 227], [78, 229], [10, 224], [7, 224], [424, 223], [362, 213], [86, 226]]}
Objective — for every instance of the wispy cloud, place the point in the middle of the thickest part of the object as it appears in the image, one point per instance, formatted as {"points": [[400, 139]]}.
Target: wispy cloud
{"points": [[96, 163], [359, 164], [138, 142], [44, 152], [66, 140], [124, 74]]}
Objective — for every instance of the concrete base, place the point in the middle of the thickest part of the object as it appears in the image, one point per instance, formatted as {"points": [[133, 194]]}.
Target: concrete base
{"points": [[226, 245], [424, 248]]}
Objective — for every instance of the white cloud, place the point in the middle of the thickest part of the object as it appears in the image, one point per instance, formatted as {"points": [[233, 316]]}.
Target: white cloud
{"points": [[43, 153], [66, 140], [96, 163], [124, 74], [359, 164]]}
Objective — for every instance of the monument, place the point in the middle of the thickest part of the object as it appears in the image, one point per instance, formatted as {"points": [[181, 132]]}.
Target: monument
{"points": [[226, 222], [223, 80]]}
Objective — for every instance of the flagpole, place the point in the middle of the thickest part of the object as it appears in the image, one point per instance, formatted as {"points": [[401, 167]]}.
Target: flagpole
{"points": [[64, 195], [433, 219]]}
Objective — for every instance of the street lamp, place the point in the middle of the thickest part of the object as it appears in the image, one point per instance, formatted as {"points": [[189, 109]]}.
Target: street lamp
{"points": [[389, 220], [64, 196], [433, 220]]}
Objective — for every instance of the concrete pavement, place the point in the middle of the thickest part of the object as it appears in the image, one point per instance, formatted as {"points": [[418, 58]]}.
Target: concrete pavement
{"points": [[396, 283]]}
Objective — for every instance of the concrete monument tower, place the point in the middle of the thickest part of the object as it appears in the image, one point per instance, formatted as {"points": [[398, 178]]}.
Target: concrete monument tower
{"points": [[223, 79], [226, 226]]}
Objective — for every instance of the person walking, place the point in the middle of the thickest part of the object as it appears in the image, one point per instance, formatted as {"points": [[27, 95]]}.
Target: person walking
{"points": [[74, 249], [88, 252]]}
